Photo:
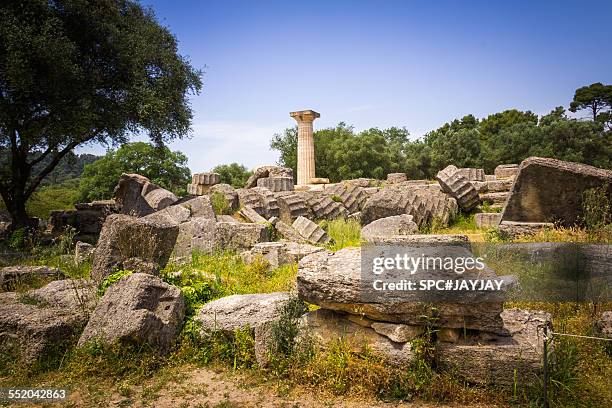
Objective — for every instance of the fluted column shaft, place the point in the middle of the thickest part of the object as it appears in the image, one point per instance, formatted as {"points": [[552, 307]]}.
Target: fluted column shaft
{"points": [[305, 148]]}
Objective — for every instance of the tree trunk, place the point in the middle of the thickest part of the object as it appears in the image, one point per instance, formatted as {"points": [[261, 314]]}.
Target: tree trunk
{"points": [[16, 208]]}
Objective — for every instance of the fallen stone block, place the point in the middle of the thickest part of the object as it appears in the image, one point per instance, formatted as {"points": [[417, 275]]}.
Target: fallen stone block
{"points": [[393, 178], [496, 186], [160, 198], [291, 206], [279, 253], [240, 236], [125, 237], [335, 281], [197, 235], [83, 252], [139, 308], [549, 190], [229, 193], [276, 184], [327, 326], [268, 171], [603, 325], [453, 183], [137, 196], [494, 198], [41, 325], [506, 170], [487, 220], [310, 231], [514, 358], [472, 174], [511, 229], [12, 276], [324, 208], [319, 180], [286, 230], [269, 202], [390, 226], [251, 215], [352, 197]]}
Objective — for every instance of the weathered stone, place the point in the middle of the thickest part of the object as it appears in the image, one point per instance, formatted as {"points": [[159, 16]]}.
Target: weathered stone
{"points": [[487, 220], [356, 216], [351, 196], [324, 208], [241, 311], [506, 170], [240, 236], [494, 198], [511, 229], [174, 215], [291, 206], [268, 171], [198, 234], [310, 231], [426, 204], [12, 276], [506, 360], [327, 326], [137, 265], [140, 309], [199, 207], [40, 324], [125, 237], [276, 184], [226, 218], [453, 183], [87, 219], [251, 215], [83, 252], [603, 325], [390, 226], [496, 186], [549, 190], [259, 199], [399, 333], [279, 253], [393, 178], [160, 198], [206, 179], [319, 180], [287, 231], [335, 281], [472, 174], [229, 193], [363, 182]]}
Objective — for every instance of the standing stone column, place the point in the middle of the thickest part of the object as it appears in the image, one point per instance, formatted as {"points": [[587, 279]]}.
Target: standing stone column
{"points": [[305, 149]]}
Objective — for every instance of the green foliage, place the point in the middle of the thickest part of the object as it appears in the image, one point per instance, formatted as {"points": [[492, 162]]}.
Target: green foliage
{"points": [[112, 278], [62, 92], [220, 204], [596, 97], [17, 240], [284, 333], [343, 232], [233, 174], [596, 207], [162, 166]]}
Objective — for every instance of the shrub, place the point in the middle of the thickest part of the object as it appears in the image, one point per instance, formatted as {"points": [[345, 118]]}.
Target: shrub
{"points": [[596, 207], [220, 204], [112, 278]]}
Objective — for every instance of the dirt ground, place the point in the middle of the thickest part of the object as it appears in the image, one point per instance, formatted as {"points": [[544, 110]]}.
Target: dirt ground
{"points": [[207, 388]]}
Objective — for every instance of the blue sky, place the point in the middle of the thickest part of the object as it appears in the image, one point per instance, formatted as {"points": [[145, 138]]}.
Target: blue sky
{"points": [[376, 64]]}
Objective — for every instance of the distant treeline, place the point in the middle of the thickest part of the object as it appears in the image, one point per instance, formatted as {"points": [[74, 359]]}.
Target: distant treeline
{"points": [[506, 137]]}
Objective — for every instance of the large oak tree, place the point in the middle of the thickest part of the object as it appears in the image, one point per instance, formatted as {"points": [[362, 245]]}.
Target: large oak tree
{"points": [[74, 72]]}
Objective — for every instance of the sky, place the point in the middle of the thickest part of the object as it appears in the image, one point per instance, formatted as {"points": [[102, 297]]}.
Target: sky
{"points": [[375, 64]]}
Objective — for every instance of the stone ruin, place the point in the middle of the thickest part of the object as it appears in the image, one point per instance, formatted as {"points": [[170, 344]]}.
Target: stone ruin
{"points": [[146, 226]]}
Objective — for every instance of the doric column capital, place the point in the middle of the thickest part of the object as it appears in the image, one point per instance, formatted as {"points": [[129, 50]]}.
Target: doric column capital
{"points": [[305, 115]]}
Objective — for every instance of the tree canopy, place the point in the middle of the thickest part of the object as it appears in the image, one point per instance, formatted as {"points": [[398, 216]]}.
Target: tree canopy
{"points": [[76, 72], [163, 167], [233, 174]]}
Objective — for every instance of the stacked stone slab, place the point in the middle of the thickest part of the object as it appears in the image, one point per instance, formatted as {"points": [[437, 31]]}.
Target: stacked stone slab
{"points": [[251, 198], [276, 184], [202, 182], [455, 184], [352, 196], [323, 207], [497, 198], [504, 171], [472, 174], [393, 178], [270, 204], [310, 231], [478, 340], [291, 206], [487, 220], [279, 253]]}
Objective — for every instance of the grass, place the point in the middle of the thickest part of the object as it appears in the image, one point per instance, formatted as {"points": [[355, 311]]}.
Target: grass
{"points": [[51, 198], [580, 371], [344, 233]]}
